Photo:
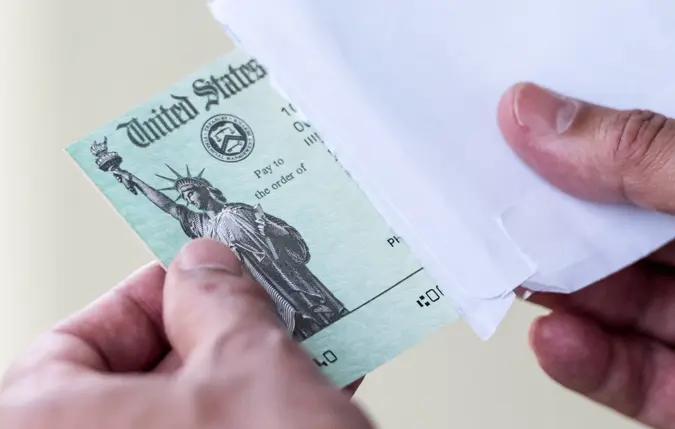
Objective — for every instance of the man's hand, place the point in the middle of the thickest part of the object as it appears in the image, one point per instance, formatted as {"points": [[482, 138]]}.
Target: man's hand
{"points": [[197, 347], [614, 341]]}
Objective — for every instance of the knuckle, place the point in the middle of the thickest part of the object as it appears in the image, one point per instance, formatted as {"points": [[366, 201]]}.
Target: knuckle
{"points": [[244, 348], [253, 344], [252, 306], [282, 347], [638, 138]]}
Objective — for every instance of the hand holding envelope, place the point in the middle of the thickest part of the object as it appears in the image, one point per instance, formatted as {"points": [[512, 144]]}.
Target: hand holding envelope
{"points": [[420, 84], [613, 341]]}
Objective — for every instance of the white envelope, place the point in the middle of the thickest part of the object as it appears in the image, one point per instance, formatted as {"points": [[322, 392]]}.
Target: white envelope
{"points": [[405, 93]]}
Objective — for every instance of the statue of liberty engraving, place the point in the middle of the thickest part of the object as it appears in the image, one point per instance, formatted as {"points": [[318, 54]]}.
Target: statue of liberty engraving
{"points": [[273, 251]]}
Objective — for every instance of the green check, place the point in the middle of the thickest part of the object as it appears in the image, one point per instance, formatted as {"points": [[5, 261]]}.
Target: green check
{"points": [[223, 155]]}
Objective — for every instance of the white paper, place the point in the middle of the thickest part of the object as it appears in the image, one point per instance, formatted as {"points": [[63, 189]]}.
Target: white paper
{"points": [[406, 95]]}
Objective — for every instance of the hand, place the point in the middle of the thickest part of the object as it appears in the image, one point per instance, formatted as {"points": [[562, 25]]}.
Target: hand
{"points": [[614, 341], [123, 175], [127, 179], [198, 347]]}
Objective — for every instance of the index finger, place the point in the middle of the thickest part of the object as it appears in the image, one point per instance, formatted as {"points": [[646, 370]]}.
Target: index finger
{"points": [[120, 332]]}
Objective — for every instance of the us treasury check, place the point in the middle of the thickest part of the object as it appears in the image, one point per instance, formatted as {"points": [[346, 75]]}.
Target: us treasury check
{"points": [[223, 155]]}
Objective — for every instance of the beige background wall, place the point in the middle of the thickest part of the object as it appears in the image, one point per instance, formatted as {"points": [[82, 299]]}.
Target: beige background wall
{"points": [[67, 67]]}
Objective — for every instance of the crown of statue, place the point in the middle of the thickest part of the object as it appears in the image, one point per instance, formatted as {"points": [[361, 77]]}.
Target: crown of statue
{"points": [[180, 183]]}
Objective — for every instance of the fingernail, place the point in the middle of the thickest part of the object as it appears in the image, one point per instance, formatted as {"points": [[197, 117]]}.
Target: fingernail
{"points": [[543, 112], [208, 255]]}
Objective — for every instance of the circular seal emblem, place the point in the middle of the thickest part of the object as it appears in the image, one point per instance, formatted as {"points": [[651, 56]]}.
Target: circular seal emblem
{"points": [[227, 138]]}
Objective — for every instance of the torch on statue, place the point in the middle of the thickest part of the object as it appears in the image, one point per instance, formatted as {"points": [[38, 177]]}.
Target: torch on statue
{"points": [[110, 162]]}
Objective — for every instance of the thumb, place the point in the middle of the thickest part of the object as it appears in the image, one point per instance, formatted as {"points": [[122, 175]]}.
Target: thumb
{"points": [[211, 304], [591, 151]]}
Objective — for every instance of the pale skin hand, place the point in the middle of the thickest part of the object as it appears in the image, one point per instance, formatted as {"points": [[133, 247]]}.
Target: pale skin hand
{"points": [[197, 347], [614, 341], [193, 350]]}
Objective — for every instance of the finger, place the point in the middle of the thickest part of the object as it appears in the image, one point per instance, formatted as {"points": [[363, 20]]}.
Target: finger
{"points": [[632, 375], [591, 151], [219, 319], [640, 298], [120, 332]]}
